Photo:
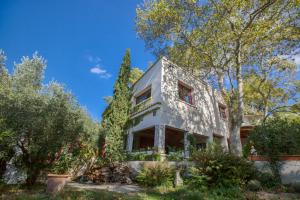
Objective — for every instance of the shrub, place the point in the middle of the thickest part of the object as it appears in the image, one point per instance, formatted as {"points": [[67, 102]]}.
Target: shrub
{"points": [[268, 180], [213, 167], [156, 174], [141, 156], [73, 158], [277, 136], [225, 193], [296, 187], [254, 185], [175, 156]]}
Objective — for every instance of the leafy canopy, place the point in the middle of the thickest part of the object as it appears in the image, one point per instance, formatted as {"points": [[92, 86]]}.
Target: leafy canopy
{"points": [[38, 119], [219, 40]]}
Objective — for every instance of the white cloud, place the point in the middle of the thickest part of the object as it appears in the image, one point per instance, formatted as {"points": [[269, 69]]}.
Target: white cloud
{"points": [[97, 68], [101, 72]]}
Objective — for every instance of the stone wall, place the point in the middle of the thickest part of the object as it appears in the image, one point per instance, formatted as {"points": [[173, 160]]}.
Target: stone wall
{"points": [[290, 170], [290, 167]]}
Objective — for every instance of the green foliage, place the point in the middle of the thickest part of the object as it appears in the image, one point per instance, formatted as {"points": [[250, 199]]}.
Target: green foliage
{"points": [[142, 156], [221, 41], [216, 168], [270, 85], [83, 152], [38, 119], [277, 136], [296, 187], [175, 156], [155, 174], [254, 185], [169, 193], [268, 180], [135, 74], [5, 95], [141, 105], [116, 116]]}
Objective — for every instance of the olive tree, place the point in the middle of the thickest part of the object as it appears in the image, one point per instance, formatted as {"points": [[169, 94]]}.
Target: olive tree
{"points": [[40, 118]]}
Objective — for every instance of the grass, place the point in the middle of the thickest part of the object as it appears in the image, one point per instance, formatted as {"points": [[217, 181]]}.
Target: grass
{"points": [[164, 193], [19, 192]]}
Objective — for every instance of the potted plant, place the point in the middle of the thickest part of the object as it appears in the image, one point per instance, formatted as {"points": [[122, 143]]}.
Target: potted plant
{"points": [[58, 175]]}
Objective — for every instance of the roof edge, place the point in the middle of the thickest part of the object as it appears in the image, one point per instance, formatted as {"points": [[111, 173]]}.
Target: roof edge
{"points": [[148, 69]]}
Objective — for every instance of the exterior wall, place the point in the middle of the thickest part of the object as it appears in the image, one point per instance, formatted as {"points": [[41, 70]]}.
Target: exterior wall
{"points": [[148, 121], [290, 170], [152, 78], [201, 118]]}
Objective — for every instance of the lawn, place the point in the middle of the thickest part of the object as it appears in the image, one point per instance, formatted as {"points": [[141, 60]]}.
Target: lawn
{"points": [[38, 192], [165, 193]]}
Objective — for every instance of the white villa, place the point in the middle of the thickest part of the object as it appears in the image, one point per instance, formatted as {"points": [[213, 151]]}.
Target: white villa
{"points": [[169, 104]]}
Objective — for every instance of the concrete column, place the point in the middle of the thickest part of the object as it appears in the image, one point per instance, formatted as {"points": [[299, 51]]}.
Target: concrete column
{"points": [[210, 138], [129, 141], [159, 138], [186, 145]]}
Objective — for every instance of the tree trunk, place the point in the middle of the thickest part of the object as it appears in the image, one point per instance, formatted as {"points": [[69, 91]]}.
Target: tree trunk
{"points": [[32, 176], [2, 167], [33, 172], [266, 109], [235, 138]]}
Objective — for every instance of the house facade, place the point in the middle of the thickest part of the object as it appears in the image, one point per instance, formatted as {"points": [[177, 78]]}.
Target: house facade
{"points": [[170, 106]]}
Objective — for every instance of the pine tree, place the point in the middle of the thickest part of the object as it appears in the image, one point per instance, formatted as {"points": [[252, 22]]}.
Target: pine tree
{"points": [[116, 116]]}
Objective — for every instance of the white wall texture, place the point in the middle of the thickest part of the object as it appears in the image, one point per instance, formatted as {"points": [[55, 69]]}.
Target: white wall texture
{"points": [[290, 170], [202, 118]]}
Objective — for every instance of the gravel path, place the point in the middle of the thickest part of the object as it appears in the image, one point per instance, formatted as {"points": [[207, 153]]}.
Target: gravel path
{"points": [[120, 188]]}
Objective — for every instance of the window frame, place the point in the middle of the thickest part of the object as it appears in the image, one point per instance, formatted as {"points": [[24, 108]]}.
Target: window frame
{"points": [[143, 92], [183, 85]]}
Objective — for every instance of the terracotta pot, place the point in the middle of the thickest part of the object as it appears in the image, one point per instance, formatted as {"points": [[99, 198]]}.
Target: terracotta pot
{"points": [[56, 183]]}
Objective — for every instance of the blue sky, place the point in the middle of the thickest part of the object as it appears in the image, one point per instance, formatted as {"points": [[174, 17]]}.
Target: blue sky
{"points": [[83, 42]]}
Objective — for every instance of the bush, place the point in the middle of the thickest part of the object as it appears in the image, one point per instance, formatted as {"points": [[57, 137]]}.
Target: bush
{"points": [[268, 180], [296, 187], [225, 193], [213, 167], [254, 185], [73, 158], [142, 156], [175, 156], [156, 174], [277, 136]]}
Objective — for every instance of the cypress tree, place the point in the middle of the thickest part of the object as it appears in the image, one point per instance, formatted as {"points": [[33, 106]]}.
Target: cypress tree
{"points": [[116, 115]]}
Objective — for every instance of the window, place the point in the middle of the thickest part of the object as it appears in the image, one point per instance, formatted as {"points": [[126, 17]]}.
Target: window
{"points": [[154, 113], [222, 110], [185, 93], [144, 96]]}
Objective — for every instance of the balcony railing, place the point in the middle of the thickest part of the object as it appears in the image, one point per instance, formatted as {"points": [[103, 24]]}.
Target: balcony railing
{"points": [[141, 106]]}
